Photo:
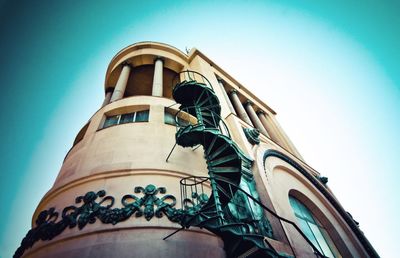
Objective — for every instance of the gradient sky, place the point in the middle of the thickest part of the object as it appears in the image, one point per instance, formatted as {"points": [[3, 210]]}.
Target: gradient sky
{"points": [[330, 70]]}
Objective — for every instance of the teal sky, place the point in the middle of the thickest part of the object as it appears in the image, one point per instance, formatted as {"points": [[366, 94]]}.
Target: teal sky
{"points": [[330, 70]]}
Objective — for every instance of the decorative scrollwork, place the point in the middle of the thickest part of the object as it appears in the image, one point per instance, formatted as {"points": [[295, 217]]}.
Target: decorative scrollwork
{"points": [[252, 135], [47, 226]]}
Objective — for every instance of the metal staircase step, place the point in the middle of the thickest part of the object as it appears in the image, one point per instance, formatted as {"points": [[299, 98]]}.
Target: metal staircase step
{"points": [[224, 159], [227, 194], [224, 169], [247, 172], [218, 151], [210, 147], [204, 101]]}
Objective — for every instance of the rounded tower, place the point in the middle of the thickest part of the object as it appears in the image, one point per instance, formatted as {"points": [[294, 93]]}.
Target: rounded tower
{"points": [[121, 152]]}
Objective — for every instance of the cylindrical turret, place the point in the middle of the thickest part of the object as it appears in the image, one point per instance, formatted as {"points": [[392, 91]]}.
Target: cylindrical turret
{"points": [[123, 146]]}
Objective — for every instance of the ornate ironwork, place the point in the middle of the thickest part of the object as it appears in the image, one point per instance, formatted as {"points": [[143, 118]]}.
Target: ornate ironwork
{"points": [[323, 179], [252, 135], [99, 206], [229, 213]]}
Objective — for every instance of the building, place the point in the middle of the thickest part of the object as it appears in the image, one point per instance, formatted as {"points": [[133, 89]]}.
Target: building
{"points": [[182, 160]]}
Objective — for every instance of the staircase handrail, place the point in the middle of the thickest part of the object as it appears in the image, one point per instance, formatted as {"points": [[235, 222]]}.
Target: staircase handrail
{"points": [[213, 112], [204, 79], [316, 251]]}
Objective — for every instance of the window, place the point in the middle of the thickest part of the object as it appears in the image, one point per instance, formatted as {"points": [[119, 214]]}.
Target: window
{"points": [[169, 118], [313, 229], [139, 116]]}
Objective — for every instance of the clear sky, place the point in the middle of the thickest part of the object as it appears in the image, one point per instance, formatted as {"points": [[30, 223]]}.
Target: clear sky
{"points": [[330, 69]]}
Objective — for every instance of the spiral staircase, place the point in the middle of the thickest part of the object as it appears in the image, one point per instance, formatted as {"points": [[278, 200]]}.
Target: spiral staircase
{"points": [[227, 165]]}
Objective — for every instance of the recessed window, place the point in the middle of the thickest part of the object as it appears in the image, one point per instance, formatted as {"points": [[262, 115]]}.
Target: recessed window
{"points": [[139, 116], [169, 118], [313, 229]]}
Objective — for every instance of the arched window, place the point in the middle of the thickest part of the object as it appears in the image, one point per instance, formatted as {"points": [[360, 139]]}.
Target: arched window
{"points": [[313, 229]]}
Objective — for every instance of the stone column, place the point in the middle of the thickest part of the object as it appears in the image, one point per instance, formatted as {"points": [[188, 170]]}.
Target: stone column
{"points": [[290, 146], [121, 83], [221, 84], [253, 116], [107, 98], [269, 127], [239, 107], [158, 78]]}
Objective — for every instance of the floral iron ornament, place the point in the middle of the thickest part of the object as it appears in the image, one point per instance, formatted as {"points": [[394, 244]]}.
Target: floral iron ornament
{"points": [[48, 226], [149, 200]]}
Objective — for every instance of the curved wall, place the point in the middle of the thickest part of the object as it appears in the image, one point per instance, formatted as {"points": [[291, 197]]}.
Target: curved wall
{"points": [[117, 159]]}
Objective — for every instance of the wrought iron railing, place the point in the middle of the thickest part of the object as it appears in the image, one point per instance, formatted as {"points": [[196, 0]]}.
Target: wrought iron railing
{"points": [[217, 119], [187, 185], [197, 195], [189, 75]]}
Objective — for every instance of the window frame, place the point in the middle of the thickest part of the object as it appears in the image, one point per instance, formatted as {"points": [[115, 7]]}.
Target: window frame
{"points": [[119, 120], [305, 218]]}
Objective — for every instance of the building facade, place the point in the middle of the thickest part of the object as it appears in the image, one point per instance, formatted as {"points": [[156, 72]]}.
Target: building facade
{"points": [[181, 160]]}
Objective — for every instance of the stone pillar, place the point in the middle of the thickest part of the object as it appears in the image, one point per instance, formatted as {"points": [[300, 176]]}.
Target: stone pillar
{"points": [[158, 78], [239, 107], [228, 101], [269, 127], [121, 83], [253, 116], [107, 98], [289, 144]]}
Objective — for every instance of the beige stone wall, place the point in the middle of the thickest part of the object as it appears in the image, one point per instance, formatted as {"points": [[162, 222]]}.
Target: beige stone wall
{"points": [[127, 242], [117, 159], [131, 146]]}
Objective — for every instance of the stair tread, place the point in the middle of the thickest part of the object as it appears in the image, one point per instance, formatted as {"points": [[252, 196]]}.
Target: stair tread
{"points": [[218, 151], [223, 159]]}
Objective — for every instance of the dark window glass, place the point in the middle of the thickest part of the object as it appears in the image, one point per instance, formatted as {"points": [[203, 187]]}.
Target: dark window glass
{"points": [[142, 116], [111, 120], [169, 118], [127, 118], [312, 228], [182, 122]]}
